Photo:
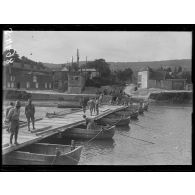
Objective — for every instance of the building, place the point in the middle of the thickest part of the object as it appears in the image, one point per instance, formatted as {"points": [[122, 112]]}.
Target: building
{"points": [[60, 79], [90, 73], [76, 82], [27, 76], [148, 78]]}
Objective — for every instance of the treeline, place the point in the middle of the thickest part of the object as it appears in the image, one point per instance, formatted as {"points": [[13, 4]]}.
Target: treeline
{"points": [[11, 56], [106, 76], [177, 73]]}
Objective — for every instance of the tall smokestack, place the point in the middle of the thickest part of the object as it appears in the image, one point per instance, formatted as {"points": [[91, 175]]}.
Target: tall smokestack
{"points": [[78, 57]]}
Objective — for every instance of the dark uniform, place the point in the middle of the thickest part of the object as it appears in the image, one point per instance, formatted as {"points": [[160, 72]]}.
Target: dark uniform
{"points": [[6, 115], [13, 118], [30, 113], [97, 106]]}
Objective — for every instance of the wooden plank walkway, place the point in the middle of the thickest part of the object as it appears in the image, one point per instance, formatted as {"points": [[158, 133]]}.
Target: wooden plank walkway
{"points": [[49, 126]]}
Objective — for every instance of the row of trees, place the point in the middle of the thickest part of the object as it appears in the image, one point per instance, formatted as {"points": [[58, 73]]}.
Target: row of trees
{"points": [[12, 56], [177, 73], [106, 76]]}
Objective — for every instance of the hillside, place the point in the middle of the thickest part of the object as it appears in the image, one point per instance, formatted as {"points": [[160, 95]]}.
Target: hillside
{"points": [[136, 66]]}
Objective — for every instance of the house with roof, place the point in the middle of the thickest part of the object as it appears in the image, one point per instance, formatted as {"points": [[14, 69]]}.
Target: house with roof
{"points": [[18, 75], [149, 78]]}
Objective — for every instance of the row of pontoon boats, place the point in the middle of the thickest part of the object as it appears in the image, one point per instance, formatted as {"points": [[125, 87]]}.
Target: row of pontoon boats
{"points": [[55, 154]]}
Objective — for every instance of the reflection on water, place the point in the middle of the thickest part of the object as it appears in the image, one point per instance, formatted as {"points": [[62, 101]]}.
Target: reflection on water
{"points": [[167, 127]]}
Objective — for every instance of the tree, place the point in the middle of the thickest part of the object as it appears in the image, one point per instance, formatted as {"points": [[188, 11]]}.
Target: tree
{"points": [[10, 56], [179, 69], [125, 75], [101, 66], [187, 75], [74, 67]]}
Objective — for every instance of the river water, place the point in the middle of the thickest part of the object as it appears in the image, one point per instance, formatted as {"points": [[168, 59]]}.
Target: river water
{"points": [[164, 134]]}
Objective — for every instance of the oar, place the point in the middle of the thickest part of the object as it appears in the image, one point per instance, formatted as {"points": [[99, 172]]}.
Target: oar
{"points": [[137, 139]]}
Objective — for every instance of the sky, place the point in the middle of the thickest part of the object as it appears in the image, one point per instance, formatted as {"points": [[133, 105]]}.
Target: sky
{"points": [[114, 46]]}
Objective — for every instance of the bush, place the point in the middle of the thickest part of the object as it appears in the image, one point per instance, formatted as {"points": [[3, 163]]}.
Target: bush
{"points": [[14, 94]]}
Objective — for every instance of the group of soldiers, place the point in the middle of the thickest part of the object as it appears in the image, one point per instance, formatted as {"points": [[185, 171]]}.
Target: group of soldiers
{"points": [[120, 100], [13, 118], [93, 104]]}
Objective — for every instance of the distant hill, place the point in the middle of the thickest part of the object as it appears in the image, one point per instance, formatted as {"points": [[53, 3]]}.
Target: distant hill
{"points": [[136, 66]]}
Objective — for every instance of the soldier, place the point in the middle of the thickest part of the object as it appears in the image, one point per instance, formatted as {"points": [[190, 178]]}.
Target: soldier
{"points": [[83, 104], [91, 105], [7, 111], [97, 106], [89, 123], [13, 119], [30, 112]]}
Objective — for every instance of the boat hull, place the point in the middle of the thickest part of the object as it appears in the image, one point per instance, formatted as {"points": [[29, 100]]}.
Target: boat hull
{"points": [[81, 133], [117, 122], [133, 115], [27, 157]]}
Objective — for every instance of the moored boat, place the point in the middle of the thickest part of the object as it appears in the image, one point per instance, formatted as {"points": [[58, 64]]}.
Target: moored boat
{"points": [[44, 154], [101, 132], [125, 113], [123, 121], [134, 115]]}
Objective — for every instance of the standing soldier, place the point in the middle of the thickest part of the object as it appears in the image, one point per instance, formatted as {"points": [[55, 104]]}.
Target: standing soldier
{"points": [[91, 105], [30, 113], [101, 98], [97, 106], [83, 104], [13, 119], [7, 111]]}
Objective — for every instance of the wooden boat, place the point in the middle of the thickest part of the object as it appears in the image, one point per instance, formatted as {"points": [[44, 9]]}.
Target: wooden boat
{"points": [[123, 121], [101, 132], [132, 114], [44, 154]]}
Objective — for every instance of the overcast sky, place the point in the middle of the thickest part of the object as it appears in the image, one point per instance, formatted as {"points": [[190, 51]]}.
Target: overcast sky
{"points": [[60, 46]]}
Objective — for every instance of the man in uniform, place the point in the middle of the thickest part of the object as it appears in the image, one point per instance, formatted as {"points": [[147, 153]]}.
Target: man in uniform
{"points": [[83, 103], [13, 119], [7, 111], [30, 113], [89, 123], [91, 105], [97, 106]]}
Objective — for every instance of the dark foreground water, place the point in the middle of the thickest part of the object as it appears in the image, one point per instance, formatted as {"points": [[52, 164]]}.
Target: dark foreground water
{"points": [[166, 134]]}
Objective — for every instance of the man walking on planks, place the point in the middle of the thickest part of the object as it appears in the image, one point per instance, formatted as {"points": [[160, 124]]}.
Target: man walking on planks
{"points": [[30, 113], [91, 104], [13, 119]]}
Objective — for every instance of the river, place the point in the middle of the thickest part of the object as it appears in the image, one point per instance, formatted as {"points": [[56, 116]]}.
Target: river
{"points": [[164, 134]]}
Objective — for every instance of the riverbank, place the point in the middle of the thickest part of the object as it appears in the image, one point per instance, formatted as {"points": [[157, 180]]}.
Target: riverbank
{"points": [[161, 95]]}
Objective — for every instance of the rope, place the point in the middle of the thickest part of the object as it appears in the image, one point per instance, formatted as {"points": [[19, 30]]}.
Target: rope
{"points": [[95, 136], [137, 139]]}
